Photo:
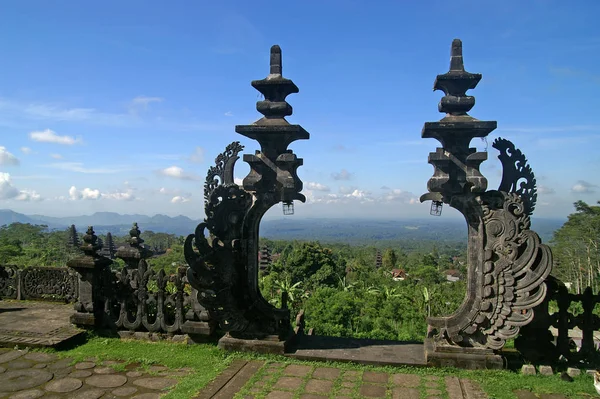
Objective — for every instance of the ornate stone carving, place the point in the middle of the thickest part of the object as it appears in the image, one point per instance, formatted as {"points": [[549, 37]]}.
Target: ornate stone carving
{"points": [[48, 283], [517, 176], [8, 282], [224, 267], [507, 264]]}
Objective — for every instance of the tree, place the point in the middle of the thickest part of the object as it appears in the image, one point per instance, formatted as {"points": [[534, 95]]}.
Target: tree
{"points": [[390, 259], [576, 248]]}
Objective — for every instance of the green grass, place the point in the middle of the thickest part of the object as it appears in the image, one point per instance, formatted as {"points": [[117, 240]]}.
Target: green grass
{"points": [[208, 361]]}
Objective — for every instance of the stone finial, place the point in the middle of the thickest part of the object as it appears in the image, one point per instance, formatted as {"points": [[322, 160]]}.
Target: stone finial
{"points": [[90, 242], [455, 84], [275, 88], [135, 251], [134, 236]]}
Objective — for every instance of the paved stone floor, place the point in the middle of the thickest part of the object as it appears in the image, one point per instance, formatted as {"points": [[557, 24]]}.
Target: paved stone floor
{"points": [[29, 323], [253, 379], [31, 375]]}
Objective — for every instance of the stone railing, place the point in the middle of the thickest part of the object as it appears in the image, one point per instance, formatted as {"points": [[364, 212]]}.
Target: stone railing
{"points": [[143, 300], [38, 283], [137, 300], [562, 334]]}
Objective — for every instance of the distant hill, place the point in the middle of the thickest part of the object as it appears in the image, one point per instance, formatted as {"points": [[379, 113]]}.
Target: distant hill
{"points": [[358, 231], [105, 222], [351, 231]]}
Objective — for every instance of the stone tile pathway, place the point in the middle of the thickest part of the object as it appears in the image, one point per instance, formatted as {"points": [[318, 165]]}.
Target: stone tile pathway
{"points": [[31, 375], [280, 381]]}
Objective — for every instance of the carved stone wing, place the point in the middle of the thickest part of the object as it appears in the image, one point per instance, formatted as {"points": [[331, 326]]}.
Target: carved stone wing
{"points": [[517, 176]]}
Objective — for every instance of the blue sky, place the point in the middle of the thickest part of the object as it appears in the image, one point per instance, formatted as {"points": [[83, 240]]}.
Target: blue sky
{"points": [[123, 105]]}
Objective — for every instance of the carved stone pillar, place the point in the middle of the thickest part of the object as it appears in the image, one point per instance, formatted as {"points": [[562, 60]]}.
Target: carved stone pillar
{"points": [[224, 269], [506, 262], [92, 269]]}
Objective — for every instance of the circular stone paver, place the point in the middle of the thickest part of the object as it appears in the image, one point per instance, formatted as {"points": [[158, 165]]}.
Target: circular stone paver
{"points": [[134, 374], [147, 396], [19, 364], [64, 385], [124, 391], [2, 369], [156, 369], [29, 394], [157, 383], [40, 366], [85, 365], [80, 374], [106, 380], [40, 357], [60, 364], [18, 380], [104, 370], [89, 394], [10, 356]]}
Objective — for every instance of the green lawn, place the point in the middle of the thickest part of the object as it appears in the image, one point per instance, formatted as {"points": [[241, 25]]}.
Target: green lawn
{"points": [[208, 361]]}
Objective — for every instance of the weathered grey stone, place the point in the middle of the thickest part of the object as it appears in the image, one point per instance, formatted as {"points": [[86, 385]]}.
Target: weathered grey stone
{"points": [[406, 380], [134, 374], [528, 369], [28, 394], [375, 377], [106, 380], [40, 357], [60, 364], [18, 380], [87, 394], [372, 391], [147, 396], [85, 365], [288, 383], [40, 366], [64, 385], [573, 372], [104, 370], [158, 383], [546, 370], [19, 364], [280, 395], [124, 391], [406, 393], [318, 386], [297, 370], [2, 369], [10, 356], [80, 374]]}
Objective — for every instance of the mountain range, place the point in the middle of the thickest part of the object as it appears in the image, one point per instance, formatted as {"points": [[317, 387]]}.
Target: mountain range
{"points": [[351, 230]]}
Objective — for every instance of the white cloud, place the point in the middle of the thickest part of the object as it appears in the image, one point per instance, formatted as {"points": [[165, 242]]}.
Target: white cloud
{"points": [[545, 190], [179, 199], [177, 173], [145, 100], [49, 136], [78, 167], [228, 113], [583, 187], [343, 175], [346, 190], [239, 181], [28, 195], [197, 156], [56, 156], [6, 158], [397, 195], [85, 194], [8, 191], [120, 196], [26, 150], [317, 186]]}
